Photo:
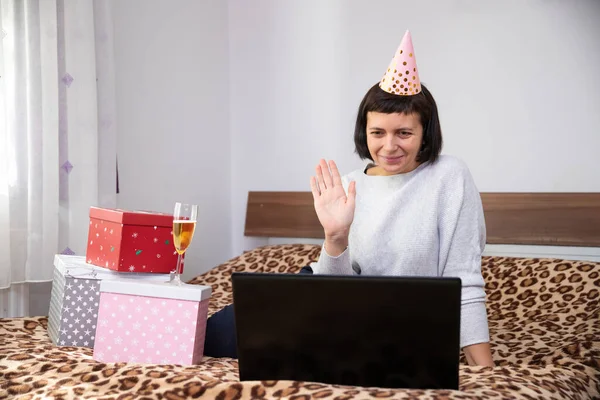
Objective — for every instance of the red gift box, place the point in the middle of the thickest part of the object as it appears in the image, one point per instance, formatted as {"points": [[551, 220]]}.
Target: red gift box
{"points": [[131, 241]]}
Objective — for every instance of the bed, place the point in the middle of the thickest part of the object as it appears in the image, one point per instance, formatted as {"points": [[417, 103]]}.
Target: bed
{"points": [[544, 316]]}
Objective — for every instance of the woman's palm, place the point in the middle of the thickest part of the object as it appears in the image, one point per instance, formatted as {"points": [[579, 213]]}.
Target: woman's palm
{"points": [[334, 209]]}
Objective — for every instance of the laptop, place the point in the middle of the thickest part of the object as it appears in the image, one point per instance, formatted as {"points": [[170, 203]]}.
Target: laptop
{"points": [[369, 331]]}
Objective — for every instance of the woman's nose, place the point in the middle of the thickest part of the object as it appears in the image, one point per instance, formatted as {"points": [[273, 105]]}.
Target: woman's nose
{"points": [[390, 142]]}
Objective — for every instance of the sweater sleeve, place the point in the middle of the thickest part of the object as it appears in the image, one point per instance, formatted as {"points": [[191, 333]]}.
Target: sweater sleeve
{"points": [[462, 241], [327, 264], [340, 265]]}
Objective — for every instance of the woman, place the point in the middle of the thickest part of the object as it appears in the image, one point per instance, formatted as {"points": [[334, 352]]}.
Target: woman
{"points": [[416, 213], [409, 212]]}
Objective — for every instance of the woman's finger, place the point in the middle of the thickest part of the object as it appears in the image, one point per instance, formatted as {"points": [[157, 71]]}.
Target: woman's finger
{"points": [[335, 174], [320, 178], [351, 200], [314, 187], [326, 174]]}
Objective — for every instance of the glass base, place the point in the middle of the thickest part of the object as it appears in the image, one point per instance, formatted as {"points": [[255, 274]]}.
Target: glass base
{"points": [[175, 275], [175, 279]]}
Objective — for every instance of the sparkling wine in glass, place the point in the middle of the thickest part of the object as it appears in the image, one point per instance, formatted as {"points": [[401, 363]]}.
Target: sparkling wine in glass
{"points": [[184, 225]]}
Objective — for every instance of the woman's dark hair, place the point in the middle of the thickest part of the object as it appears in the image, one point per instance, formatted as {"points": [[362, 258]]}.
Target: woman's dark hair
{"points": [[423, 104]]}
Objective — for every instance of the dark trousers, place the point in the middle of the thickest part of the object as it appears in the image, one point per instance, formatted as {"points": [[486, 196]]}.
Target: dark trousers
{"points": [[220, 338]]}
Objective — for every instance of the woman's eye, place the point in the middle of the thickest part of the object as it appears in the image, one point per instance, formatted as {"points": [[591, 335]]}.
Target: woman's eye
{"points": [[376, 133], [405, 133]]}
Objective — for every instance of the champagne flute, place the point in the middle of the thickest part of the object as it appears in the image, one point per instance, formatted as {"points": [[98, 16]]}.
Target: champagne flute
{"points": [[184, 225]]}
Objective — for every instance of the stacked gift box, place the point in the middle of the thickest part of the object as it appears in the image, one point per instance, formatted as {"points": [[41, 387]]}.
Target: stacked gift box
{"points": [[117, 299], [75, 297], [137, 325], [131, 241]]}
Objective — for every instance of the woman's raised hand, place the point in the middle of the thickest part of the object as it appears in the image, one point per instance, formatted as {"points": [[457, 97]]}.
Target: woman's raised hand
{"points": [[334, 209]]}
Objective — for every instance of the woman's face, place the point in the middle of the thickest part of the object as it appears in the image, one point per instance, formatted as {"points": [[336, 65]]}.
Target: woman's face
{"points": [[394, 141]]}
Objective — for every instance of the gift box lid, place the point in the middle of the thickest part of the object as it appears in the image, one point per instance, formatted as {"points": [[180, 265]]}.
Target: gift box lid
{"points": [[77, 267], [157, 289], [126, 217]]}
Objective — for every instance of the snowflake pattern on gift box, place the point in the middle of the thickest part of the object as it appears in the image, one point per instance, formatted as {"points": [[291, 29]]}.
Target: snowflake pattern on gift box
{"points": [[146, 248], [154, 331], [78, 317]]}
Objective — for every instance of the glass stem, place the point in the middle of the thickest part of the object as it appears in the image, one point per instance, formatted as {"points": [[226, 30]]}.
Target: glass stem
{"points": [[178, 268]]}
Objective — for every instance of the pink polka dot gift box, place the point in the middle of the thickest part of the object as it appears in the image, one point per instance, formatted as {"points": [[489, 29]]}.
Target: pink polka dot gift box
{"points": [[155, 323], [131, 241]]}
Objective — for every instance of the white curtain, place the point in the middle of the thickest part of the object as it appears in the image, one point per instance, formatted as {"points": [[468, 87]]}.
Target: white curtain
{"points": [[57, 136]]}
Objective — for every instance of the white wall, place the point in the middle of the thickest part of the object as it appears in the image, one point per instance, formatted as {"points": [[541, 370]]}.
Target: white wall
{"points": [[516, 82], [256, 92], [173, 141]]}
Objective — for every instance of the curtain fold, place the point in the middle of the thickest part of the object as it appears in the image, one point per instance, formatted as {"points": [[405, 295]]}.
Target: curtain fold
{"points": [[49, 136]]}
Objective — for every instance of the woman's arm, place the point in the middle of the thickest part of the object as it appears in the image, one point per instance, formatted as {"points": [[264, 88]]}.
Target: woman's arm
{"points": [[462, 240], [334, 259], [334, 200], [479, 354]]}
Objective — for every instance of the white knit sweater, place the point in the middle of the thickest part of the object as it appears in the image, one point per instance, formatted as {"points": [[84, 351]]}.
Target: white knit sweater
{"points": [[427, 222]]}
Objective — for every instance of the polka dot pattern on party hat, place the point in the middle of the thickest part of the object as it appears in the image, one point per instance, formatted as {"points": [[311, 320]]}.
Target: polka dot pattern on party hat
{"points": [[402, 76]]}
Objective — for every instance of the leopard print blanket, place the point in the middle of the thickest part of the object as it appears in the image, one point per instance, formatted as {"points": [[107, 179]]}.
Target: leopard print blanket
{"points": [[544, 318]]}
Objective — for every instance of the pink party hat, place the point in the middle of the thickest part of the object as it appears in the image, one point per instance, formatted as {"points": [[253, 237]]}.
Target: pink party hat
{"points": [[402, 76]]}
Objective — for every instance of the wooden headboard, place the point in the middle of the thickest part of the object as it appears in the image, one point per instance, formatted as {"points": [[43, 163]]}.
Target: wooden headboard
{"points": [[557, 219]]}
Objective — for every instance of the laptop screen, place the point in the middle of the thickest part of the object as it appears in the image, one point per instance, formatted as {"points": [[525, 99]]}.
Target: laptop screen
{"points": [[393, 332]]}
